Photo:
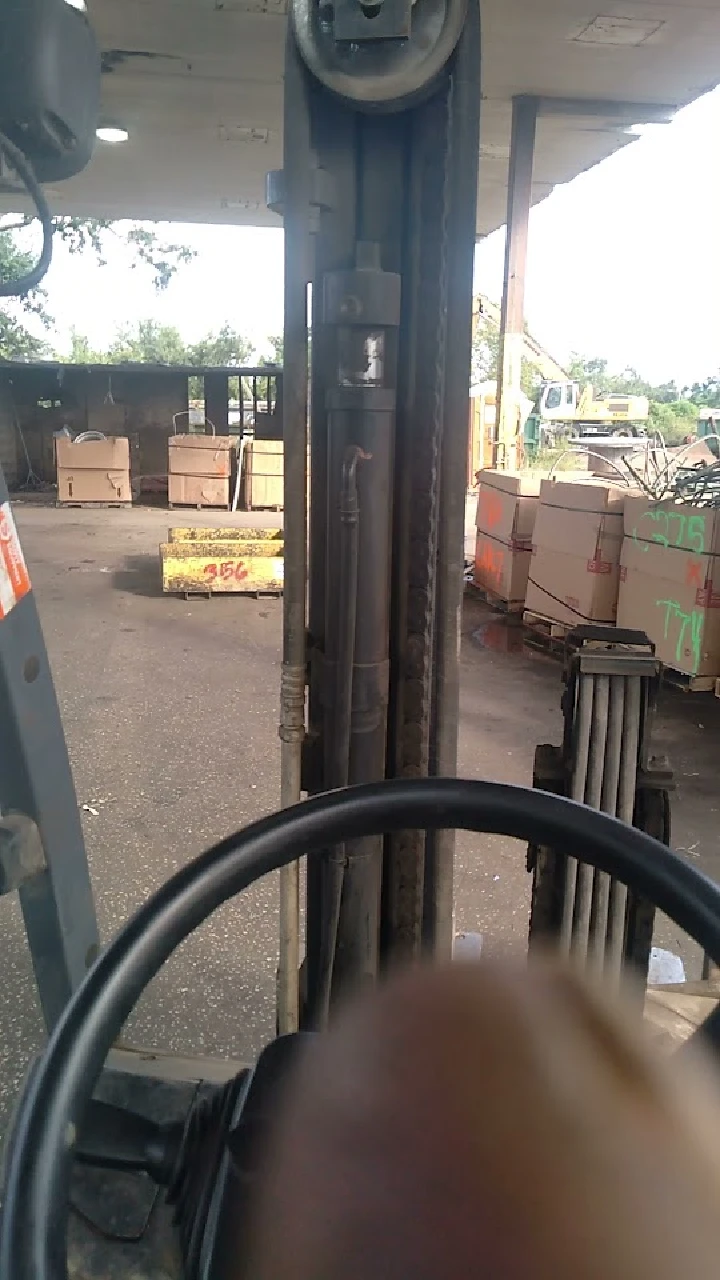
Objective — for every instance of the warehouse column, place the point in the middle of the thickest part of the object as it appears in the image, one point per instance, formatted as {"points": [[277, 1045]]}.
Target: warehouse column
{"points": [[512, 320]]}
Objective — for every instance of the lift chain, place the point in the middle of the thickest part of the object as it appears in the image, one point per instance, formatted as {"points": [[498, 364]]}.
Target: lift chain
{"points": [[405, 867]]}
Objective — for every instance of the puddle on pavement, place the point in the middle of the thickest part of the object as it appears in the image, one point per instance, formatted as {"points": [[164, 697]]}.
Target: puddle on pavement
{"points": [[502, 633]]}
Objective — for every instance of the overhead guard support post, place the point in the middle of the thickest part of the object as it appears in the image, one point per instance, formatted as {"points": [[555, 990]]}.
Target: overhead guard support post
{"points": [[512, 320]]}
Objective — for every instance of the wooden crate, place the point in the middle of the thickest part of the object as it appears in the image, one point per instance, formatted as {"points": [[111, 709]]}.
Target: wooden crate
{"points": [[263, 472], [198, 491], [222, 561]]}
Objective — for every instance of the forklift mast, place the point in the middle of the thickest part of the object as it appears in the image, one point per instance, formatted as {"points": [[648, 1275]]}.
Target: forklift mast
{"points": [[378, 194]]}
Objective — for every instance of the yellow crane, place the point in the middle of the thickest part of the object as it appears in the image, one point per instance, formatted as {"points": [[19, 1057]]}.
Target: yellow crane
{"points": [[567, 403]]}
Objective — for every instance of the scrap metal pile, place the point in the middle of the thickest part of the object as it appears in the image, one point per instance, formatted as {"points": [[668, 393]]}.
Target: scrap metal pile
{"points": [[690, 475]]}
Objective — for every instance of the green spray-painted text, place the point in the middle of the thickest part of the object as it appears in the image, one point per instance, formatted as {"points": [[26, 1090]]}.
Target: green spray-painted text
{"points": [[690, 631], [672, 528]]}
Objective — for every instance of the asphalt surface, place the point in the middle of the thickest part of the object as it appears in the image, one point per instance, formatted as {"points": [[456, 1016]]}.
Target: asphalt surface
{"points": [[171, 710]]}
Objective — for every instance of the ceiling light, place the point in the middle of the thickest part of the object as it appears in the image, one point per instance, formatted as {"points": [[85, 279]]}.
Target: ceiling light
{"points": [[77, 4], [111, 133]]}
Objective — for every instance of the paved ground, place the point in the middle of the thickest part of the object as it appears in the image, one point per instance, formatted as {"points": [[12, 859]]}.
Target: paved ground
{"points": [[171, 710]]}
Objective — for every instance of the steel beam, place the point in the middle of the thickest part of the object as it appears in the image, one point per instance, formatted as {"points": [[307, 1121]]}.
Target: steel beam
{"points": [[292, 689], [512, 320]]}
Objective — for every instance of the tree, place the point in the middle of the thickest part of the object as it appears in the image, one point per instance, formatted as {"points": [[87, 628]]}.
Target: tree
{"points": [[226, 347], [594, 370], [485, 354], [674, 420], [162, 258], [148, 342], [276, 345], [16, 340], [707, 393], [485, 357], [81, 352]]}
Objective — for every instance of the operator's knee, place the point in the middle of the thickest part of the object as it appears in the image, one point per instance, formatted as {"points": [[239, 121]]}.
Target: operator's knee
{"points": [[496, 1122]]}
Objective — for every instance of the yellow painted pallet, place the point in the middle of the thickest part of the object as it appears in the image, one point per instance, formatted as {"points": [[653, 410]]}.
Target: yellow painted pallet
{"points": [[223, 562], [225, 535]]}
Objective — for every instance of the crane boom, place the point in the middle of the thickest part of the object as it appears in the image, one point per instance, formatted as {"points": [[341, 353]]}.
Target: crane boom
{"points": [[533, 351]]}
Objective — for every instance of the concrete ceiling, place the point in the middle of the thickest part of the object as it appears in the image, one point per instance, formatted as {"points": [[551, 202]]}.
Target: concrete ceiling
{"points": [[198, 84]]}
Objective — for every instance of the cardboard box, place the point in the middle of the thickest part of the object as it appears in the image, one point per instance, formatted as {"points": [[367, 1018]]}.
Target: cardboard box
{"points": [[501, 568], [94, 486], [94, 471], [264, 466], [199, 455], [199, 491], [93, 455], [507, 504], [575, 566], [670, 582]]}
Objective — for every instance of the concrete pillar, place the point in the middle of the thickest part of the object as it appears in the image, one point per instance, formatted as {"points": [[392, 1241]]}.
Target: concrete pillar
{"points": [[512, 319]]}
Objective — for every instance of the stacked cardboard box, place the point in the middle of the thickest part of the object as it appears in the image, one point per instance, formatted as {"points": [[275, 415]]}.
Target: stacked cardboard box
{"points": [[199, 470], [264, 475], [670, 582], [506, 508], [94, 471], [575, 565]]}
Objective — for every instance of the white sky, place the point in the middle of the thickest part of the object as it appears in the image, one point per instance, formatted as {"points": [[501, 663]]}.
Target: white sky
{"points": [[624, 262]]}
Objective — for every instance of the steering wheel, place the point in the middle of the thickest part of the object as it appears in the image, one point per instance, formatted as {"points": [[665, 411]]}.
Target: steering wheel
{"points": [[33, 1240]]}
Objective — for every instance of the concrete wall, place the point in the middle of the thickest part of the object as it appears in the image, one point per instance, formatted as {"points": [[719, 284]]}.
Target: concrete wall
{"points": [[139, 404]]}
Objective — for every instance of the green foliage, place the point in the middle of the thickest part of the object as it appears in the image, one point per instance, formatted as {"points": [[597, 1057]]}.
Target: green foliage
{"points": [[485, 350], [81, 352], [707, 393], [17, 343], [673, 412], [485, 357], [674, 420], [276, 345], [162, 258], [147, 342], [226, 347], [16, 340]]}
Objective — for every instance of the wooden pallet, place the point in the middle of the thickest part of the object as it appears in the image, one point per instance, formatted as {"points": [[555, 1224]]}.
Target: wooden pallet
{"points": [[96, 506], [203, 593], [196, 506], [545, 635], [691, 684], [493, 601]]}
